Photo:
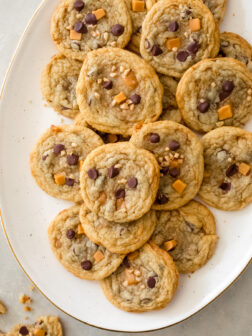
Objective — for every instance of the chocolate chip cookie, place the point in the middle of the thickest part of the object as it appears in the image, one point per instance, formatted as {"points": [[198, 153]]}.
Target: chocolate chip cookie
{"points": [[214, 93], [227, 183], [118, 237], [57, 157], [78, 27], [188, 234], [180, 157], [119, 181], [146, 280], [177, 34], [217, 7], [233, 45], [76, 252], [58, 85], [117, 90]]}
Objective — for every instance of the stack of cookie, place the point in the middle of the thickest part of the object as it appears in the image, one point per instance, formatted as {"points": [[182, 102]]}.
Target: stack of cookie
{"points": [[128, 162]]}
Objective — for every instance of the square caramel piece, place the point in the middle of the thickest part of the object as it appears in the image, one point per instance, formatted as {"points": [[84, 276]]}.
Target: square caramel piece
{"points": [[80, 229], [225, 112], [130, 80], [138, 5], [244, 168], [60, 178], [179, 186], [173, 43], [170, 244], [99, 256], [195, 25], [120, 98], [99, 13], [130, 277], [74, 35]]}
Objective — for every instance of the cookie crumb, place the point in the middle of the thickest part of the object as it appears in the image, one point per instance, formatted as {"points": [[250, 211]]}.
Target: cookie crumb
{"points": [[3, 309], [27, 308], [24, 299]]}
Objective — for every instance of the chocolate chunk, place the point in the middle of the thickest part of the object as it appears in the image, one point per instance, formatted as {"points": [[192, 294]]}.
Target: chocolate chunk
{"points": [[132, 182], [223, 95], [162, 199], [135, 98], [80, 27], [70, 233], [108, 85], [154, 138], [139, 29], [92, 173], [58, 148], [156, 50], [188, 12], [120, 193], [232, 170], [117, 29], [174, 145], [174, 172], [23, 331], [126, 262], [44, 157], [147, 44], [164, 170], [203, 107], [91, 19], [73, 159], [79, 5], [173, 26], [151, 282], [86, 265], [226, 186], [69, 181], [182, 56], [228, 86], [113, 172], [193, 47]]}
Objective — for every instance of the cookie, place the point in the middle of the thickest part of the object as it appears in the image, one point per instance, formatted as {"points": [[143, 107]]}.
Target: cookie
{"points": [[76, 252], [146, 280], [58, 85], [217, 8], [117, 90], [227, 183], [233, 45], [177, 34], [78, 27], [45, 325], [118, 237], [188, 234], [119, 181], [57, 157], [180, 157], [215, 92]]}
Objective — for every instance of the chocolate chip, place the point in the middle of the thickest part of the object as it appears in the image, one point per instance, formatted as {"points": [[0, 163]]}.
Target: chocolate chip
{"points": [[156, 50], [223, 95], [65, 108], [147, 44], [91, 19], [162, 199], [232, 170], [58, 148], [228, 86], [108, 85], [151, 282], [92, 173], [164, 170], [80, 27], [79, 5], [117, 29], [23, 330], [173, 26], [126, 262], [44, 157], [203, 107], [226, 186], [193, 47], [69, 181], [70, 233], [154, 138], [188, 12], [113, 172], [174, 145], [174, 172], [182, 56], [135, 98], [139, 29], [132, 182], [86, 265], [120, 193], [73, 159]]}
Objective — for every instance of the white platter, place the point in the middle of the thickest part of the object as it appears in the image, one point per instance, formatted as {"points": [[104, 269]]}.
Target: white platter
{"points": [[27, 211]]}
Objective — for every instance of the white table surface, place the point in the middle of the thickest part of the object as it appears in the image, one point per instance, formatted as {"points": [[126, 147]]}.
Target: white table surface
{"points": [[229, 315]]}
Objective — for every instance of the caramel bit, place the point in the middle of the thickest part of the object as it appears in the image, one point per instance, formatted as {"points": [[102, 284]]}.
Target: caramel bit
{"points": [[120, 98], [3, 309], [138, 5], [244, 169], [175, 163], [225, 112], [99, 13], [55, 129], [130, 80], [130, 277], [99, 256], [179, 186], [39, 332], [60, 178], [133, 255], [24, 299], [81, 163], [138, 126], [80, 229], [170, 244], [195, 25], [27, 308], [173, 43], [74, 35], [112, 138], [102, 198], [120, 204]]}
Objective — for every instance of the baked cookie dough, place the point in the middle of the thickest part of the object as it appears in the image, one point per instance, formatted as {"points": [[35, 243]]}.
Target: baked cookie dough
{"points": [[188, 234], [180, 157], [146, 280], [57, 157], [214, 93], [58, 85], [177, 34], [118, 237], [119, 181], [227, 183], [117, 90], [217, 8], [233, 45], [76, 252], [78, 27]]}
